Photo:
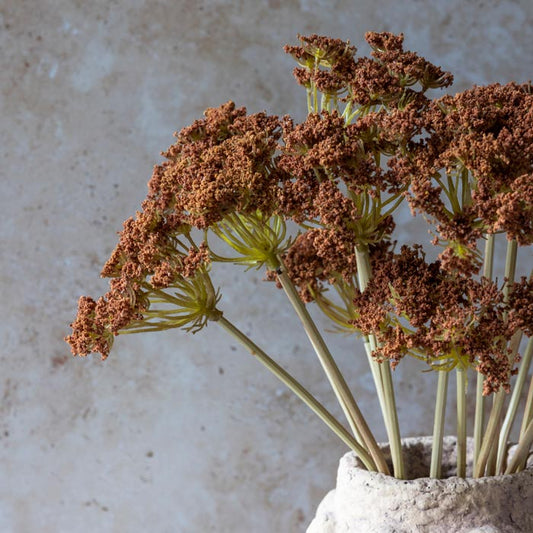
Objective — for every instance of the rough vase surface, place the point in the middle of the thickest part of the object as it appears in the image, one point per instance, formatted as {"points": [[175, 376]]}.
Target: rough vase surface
{"points": [[371, 502]]}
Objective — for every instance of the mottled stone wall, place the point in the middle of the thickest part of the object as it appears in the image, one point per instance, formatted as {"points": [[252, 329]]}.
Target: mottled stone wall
{"points": [[173, 433]]}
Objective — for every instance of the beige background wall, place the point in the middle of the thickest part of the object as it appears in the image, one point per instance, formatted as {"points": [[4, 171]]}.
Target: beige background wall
{"points": [[173, 433]]}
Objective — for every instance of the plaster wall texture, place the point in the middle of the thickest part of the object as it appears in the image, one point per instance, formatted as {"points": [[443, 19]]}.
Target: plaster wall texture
{"points": [[174, 433]]}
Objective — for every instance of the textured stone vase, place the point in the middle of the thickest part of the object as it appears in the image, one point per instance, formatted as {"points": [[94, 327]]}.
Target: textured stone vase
{"points": [[368, 502]]}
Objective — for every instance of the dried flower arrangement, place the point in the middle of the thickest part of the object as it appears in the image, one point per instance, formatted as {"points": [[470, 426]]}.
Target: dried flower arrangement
{"points": [[372, 140]]}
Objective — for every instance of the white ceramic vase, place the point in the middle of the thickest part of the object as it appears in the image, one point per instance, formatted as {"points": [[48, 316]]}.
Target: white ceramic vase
{"points": [[369, 502]]}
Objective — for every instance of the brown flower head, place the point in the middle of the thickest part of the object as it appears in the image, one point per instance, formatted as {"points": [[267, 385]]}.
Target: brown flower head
{"points": [[325, 62], [521, 306], [470, 172], [384, 79], [219, 165], [408, 67], [418, 308], [151, 255]]}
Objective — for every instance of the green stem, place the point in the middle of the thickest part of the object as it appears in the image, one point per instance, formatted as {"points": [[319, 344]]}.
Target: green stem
{"points": [[350, 117], [490, 434], [510, 267], [299, 390], [490, 469], [438, 425], [488, 256], [461, 422], [391, 210], [353, 414], [479, 416], [528, 409], [347, 110], [309, 101], [509, 274], [451, 193], [466, 192], [522, 450], [369, 344], [526, 420], [324, 103], [510, 415], [382, 377]]}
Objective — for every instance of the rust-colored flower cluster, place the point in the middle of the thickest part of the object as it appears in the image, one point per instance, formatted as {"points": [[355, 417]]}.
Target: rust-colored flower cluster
{"points": [[219, 165], [416, 307], [376, 138], [152, 254], [472, 173], [330, 66]]}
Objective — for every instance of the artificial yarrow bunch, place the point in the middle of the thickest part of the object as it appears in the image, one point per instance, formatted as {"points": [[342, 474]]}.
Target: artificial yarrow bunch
{"points": [[372, 139]]}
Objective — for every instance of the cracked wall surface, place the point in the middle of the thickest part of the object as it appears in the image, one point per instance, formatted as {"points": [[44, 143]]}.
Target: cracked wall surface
{"points": [[174, 432]]}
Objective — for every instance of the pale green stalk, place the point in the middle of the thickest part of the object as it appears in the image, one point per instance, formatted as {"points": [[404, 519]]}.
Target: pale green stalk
{"points": [[347, 110], [528, 409], [490, 434], [309, 101], [299, 390], [353, 414], [376, 375], [490, 469], [438, 425], [527, 418], [522, 450], [513, 406], [510, 271], [510, 267], [486, 463], [390, 415], [461, 421], [479, 415]]}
